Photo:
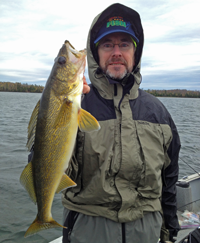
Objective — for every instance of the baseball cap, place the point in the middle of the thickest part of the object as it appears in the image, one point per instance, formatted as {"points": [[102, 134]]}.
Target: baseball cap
{"points": [[116, 24]]}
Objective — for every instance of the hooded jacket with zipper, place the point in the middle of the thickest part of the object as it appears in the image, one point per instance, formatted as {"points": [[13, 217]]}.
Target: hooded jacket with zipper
{"points": [[130, 166]]}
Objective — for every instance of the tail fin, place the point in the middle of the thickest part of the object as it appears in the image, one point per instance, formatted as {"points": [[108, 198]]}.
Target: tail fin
{"points": [[37, 226]]}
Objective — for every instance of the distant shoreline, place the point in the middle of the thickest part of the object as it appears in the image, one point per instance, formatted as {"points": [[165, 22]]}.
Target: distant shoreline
{"points": [[179, 93], [18, 87], [31, 88]]}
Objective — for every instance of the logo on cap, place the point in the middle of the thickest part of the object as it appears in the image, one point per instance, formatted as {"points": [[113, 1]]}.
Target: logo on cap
{"points": [[116, 21], [113, 25]]}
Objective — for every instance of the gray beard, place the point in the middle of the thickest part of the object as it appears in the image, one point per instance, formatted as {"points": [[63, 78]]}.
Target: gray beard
{"points": [[116, 76]]}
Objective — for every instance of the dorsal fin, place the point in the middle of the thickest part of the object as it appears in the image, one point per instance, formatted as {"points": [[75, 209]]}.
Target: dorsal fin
{"points": [[32, 126]]}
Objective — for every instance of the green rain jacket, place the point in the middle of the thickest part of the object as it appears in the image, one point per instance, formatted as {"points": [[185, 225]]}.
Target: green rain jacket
{"points": [[130, 166]]}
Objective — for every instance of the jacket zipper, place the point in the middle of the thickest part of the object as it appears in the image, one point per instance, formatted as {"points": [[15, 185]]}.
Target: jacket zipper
{"points": [[123, 233]]}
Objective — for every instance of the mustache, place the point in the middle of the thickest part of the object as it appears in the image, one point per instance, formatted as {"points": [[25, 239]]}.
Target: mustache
{"points": [[112, 60]]}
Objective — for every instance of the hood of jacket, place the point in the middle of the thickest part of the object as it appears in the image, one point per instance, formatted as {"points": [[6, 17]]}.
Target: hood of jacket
{"points": [[99, 79]]}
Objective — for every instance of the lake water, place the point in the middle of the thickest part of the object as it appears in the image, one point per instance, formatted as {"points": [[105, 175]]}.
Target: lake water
{"points": [[16, 209]]}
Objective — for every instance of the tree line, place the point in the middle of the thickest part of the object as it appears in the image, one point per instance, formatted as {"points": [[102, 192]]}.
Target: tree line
{"points": [[18, 87], [175, 93]]}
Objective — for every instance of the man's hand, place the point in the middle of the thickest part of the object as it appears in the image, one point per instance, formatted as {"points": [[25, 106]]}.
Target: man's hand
{"points": [[86, 88]]}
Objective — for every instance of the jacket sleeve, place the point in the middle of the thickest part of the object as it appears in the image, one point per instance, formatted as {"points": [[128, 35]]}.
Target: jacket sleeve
{"points": [[169, 204]]}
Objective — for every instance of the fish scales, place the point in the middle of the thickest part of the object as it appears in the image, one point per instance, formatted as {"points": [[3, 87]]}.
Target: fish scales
{"points": [[55, 121]]}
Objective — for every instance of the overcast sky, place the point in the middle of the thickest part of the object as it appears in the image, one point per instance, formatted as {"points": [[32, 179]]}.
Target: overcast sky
{"points": [[33, 31]]}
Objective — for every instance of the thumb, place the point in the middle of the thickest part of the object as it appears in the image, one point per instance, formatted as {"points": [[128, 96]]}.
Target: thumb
{"points": [[86, 88]]}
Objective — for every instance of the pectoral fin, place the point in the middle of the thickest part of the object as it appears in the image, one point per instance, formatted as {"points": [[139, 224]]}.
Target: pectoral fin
{"points": [[65, 183], [26, 179], [87, 122]]}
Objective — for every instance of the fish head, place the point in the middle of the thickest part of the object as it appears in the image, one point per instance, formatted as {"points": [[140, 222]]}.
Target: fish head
{"points": [[68, 70]]}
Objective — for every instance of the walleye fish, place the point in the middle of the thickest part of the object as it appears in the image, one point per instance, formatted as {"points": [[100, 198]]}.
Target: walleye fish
{"points": [[52, 129]]}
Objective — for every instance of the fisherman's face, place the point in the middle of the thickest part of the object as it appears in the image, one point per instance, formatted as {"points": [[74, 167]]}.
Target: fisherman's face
{"points": [[116, 62]]}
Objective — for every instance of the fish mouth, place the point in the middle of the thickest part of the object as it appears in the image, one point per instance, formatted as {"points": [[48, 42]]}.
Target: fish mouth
{"points": [[78, 54], [77, 58], [68, 54], [71, 63]]}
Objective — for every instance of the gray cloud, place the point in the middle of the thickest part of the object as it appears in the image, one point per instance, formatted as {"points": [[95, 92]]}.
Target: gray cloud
{"points": [[24, 76], [31, 34], [180, 35], [176, 79]]}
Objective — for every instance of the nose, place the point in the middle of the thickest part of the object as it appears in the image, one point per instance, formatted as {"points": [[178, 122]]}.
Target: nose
{"points": [[116, 51]]}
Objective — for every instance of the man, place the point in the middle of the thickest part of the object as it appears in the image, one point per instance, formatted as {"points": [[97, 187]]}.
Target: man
{"points": [[126, 172]]}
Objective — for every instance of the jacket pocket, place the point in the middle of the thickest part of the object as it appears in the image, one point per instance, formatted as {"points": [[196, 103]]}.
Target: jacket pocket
{"points": [[154, 143]]}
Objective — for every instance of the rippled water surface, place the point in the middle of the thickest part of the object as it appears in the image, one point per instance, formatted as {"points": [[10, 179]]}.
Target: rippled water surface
{"points": [[186, 115], [16, 209]]}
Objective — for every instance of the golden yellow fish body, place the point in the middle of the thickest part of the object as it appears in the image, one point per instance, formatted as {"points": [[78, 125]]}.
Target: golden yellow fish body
{"points": [[52, 129]]}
